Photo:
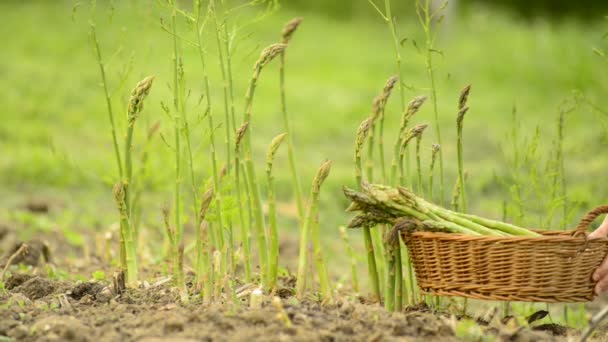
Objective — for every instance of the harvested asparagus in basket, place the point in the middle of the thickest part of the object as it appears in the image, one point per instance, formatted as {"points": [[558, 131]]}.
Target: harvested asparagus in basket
{"points": [[384, 204]]}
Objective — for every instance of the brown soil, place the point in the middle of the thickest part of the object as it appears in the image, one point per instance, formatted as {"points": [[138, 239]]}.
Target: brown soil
{"points": [[36, 308], [33, 309]]}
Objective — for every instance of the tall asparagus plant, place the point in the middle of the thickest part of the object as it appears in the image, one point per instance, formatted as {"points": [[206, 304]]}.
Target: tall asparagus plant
{"points": [[387, 16], [391, 21], [412, 108], [177, 256], [128, 254], [313, 218], [137, 186], [229, 126], [377, 118], [430, 20], [245, 228], [413, 133], [272, 211], [386, 93], [418, 163], [124, 201], [267, 55], [434, 151], [175, 232], [121, 193], [362, 134], [352, 256], [104, 83], [286, 35], [310, 230], [204, 265], [462, 110], [560, 177], [218, 23], [219, 233]]}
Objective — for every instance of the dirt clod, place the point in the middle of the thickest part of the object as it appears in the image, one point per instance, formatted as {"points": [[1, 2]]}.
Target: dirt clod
{"points": [[526, 335], [173, 325], [83, 289], [36, 288], [18, 303], [61, 328], [4, 229], [105, 295], [285, 292], [37, 206], [31, 256], [17, 279], [554, 329]]}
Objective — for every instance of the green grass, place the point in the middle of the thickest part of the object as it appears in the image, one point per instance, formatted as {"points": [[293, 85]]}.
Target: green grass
{"points": [[54, 137]]}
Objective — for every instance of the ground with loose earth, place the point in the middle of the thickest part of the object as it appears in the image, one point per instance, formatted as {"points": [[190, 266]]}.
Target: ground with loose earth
{"points": [[37, 304]]}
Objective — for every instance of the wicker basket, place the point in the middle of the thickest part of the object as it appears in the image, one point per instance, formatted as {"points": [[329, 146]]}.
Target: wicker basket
{"points": [[556, 267]]}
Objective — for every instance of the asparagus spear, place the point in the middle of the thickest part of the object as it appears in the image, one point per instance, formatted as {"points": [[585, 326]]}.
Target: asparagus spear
{"points": [[383, 204]]}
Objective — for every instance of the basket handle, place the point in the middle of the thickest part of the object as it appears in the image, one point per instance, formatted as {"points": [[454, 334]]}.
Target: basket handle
{"points": [[590, 217]]}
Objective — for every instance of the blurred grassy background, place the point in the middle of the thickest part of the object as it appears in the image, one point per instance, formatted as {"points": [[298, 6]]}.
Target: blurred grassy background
{"points": [[555, 9], [55, 135]]}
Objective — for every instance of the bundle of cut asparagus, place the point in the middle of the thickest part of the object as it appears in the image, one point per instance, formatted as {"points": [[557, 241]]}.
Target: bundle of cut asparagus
{"points": [[383, 204]]}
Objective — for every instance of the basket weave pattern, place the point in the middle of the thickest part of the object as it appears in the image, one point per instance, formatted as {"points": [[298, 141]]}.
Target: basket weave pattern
{"points": [[556, 267]]}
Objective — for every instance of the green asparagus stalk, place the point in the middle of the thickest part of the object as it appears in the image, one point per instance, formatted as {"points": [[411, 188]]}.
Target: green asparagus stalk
{"points": [[108, 98], [498, 225], [286, 34], [219, 236], [386, 204], [389, 296], [412, 108], [326, 287], [249, 205], [503, 228], [353, 260], [386, 93], [427, 15], [434, 150], [393, 296], [267, 55], [136, 212], [418, 164], [130, 255], [176, 254], [272, 211], [455, 203], [136, 103], [227, 249], [311, 228], [178, 108], [414, 132], [206, 264], [441, 215], [378, 118], [362, 134], [369, 164], [399, 279], [462, 110], [245, 228], [204, 269]]}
